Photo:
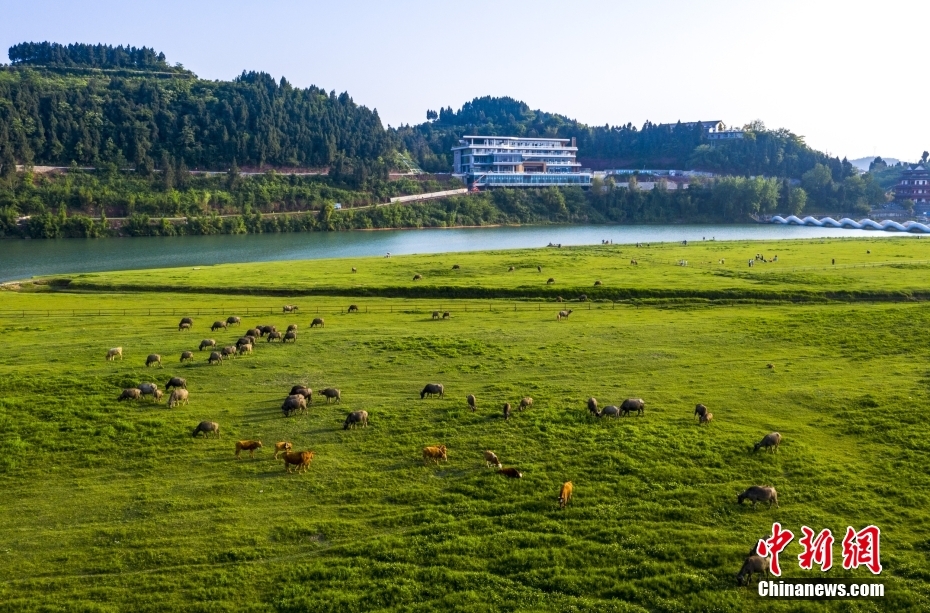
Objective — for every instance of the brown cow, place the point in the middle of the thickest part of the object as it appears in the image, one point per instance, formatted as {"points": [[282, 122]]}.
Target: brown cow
{"points": [[300, 459], [490, 459], [525, 403], [132, 393], [565, 494], [435, 454], [706, 418], [249, 446], [281, 447]]}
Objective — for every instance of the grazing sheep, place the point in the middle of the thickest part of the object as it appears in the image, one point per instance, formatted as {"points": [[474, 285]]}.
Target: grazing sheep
{"points": [[706, 418], [353, 308], [435, 314], [304, 391], [592, 405], [550, 281], [132, 393], [354, 418], [281, 447], [232, 320], [290, 308], [317, 321], [511, 269], [206, 427], [471, 402], [506, 410], [417, 277], [300, 459], [184, 327], [113, 353], [228, 351], [770, 441], [353, 269], [563, 315], [446, 314], [455, 267], [188, 321], [215, 358], [254, 332], [609, 411], [291, 328], [565, 494], [153, 358], [598, 282], [513, 473], [525, 403], [178, 396], [176, 382], [490, 459], [332, 393], [633, 404], [217, 325], [249, 446], [187, 355], [759, 493], [432, 388], [245, 348], [274, 336], [583, 298], [295, 403], [290, 336], [435, 454], [700, 410], [207, 342], [754, 564], [263, 330]]}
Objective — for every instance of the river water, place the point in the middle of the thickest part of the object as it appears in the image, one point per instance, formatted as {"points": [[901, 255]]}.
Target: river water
{"points": [[21, 259]]}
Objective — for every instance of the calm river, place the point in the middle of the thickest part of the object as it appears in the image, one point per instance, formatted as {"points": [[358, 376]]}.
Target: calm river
{"points": [[21, 259]]}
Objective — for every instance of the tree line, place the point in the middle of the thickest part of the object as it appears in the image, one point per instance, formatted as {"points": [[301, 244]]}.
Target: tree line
{"points": [[92, 56]]}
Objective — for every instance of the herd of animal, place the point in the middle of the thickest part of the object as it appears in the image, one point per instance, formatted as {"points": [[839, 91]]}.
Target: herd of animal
{"points": [[300, 396]]}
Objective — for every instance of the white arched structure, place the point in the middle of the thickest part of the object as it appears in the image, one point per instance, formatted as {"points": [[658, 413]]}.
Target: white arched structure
{"points": [[846, 222]]}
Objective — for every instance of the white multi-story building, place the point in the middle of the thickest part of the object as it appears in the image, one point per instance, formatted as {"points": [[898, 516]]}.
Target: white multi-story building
{"points": [[510, 161]]}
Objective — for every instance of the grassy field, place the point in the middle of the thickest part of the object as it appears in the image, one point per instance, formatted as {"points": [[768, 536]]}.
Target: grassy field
{"points": [[113, 506]]}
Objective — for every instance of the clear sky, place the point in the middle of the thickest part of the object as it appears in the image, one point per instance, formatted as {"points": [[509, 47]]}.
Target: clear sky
{"points": [[852, 77]]}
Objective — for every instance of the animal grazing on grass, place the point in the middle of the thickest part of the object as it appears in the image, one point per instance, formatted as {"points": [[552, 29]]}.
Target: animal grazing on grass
{"points": [[353, 308], [317, 321], [563, 315], [245, 348], [490, 459], [598, 282], [249, 446], [446, 315], [609, 411], [290, 336], [770, 442], [176, 382], [559, 299], [513, 473], [354, 418], [207, 342], [471, 402], [511, 269], [525, 403], [431, 389], [539, 269], [583, 298], [300, 459], [153, 358], [331, 393], [217, 325], [455, 267], [291, 328], [229, 351], [281, 447], [275, 336], [290, 308], [706, 418], [188, 321], [506, 410], [295, 403], [353, 269], [592, 405], [184, 327], [132, 393], [759, 493], [304, 391], [187, 356], [263, 330], [215, 358], [550, 281], [254, 332], [178, 396], [565, 494], [633, 404], [435, 314], [753, 565], [207, 427], [435, 454], [417, 277], [770, 366], [232, 320], [112, 354], [700, 410], [634, 262]]}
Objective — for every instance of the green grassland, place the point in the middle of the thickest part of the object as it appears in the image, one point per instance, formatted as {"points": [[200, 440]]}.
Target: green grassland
{"points": [[113, 506]]}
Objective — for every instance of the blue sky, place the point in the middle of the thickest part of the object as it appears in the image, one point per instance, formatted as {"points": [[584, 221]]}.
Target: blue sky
{"points": [[849, 76]]}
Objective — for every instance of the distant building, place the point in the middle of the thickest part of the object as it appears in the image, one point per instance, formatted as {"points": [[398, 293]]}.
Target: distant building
{"points": [[510, 161], [713, 130], [914, 185]]}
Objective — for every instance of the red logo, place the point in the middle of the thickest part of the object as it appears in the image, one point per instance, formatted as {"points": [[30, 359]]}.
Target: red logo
{"points": [[861, 549]]}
